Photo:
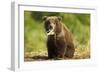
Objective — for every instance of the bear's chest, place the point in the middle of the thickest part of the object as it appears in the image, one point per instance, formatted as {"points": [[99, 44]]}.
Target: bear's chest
{"points": [[54, 41], [51, 41]]}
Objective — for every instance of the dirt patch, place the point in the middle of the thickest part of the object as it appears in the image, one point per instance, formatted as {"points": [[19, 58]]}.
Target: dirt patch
{"points": [[43, 55]]}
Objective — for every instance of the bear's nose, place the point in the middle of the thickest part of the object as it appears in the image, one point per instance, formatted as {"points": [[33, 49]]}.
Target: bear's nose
{"points": [[50, 27]]}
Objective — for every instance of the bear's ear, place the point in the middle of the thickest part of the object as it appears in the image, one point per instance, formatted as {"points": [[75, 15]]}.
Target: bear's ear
{"points": [[44, 18], [59, 18]]}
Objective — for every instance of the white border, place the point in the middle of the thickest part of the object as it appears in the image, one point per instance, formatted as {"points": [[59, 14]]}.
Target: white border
{"points": [[18, 37]]}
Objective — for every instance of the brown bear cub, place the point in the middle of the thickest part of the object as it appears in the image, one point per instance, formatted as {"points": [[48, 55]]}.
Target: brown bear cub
{"points": [[60, 42]]}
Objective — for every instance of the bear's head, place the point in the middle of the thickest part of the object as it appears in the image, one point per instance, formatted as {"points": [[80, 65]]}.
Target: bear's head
{"points": [[52, 24]]}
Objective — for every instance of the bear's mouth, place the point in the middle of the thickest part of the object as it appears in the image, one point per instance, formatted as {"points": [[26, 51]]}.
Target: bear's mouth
{"points": [[50, 32]]}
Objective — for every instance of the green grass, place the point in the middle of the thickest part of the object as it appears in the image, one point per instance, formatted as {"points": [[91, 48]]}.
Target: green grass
{"points": [[34, 35]]}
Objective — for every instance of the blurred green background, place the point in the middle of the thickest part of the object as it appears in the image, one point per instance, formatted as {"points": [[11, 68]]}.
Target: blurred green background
{"points": [[35, 36]]}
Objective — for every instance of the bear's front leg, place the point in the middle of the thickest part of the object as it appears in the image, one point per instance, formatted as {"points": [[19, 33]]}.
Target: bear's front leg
{"points": [[51, 47], [51, 53]]}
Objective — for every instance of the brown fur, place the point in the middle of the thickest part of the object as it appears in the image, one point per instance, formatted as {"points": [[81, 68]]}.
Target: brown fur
{"points": [[60, 40]]}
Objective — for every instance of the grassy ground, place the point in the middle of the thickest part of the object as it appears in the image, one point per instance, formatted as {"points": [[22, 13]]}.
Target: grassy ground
{"points": [[35, 37], [42, 55]]}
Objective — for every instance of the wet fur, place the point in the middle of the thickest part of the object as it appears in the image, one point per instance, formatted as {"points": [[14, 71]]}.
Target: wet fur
{"points": [[60, 45]]}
